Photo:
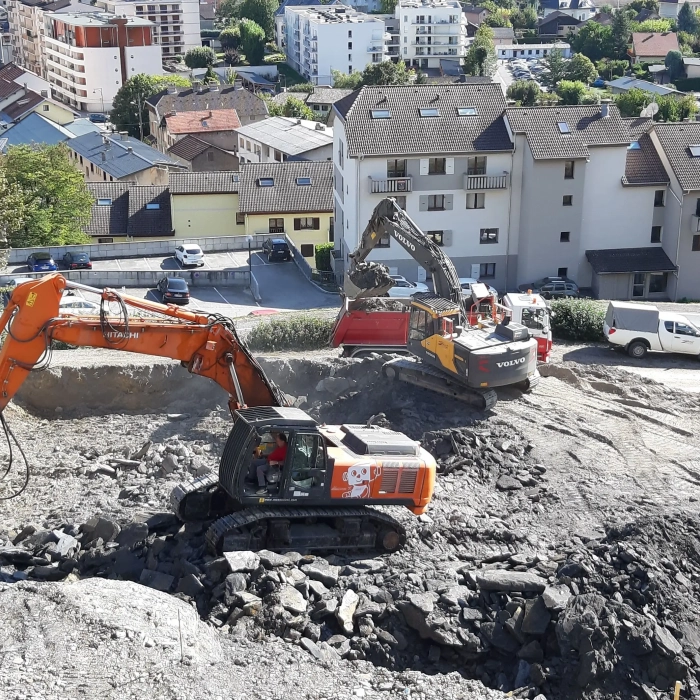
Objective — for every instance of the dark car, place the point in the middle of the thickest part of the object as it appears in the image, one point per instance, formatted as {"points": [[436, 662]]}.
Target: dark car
{"points": [[174, 290], [277, 249], [98, 118], [41, 262], [552, 287], [77, 261]]}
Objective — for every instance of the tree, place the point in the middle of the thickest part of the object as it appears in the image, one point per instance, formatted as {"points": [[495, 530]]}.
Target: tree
{"points": [[526, 92], [687, 19], [639, 5], [652, 25], [674, 65], [499, 18], [555, 66], [11, 214], [262, 12], [53, 202], [524, 19], [346, 81], [132, 96], [620, 32], [252, 41], [387, 7], [481, 57], [571, 92], [675, 110], [291, 107], [230, 37], [594, 40], [232, 57], [386, 73], [200, 57], [632, 102], [582, 69], [227, 10]]}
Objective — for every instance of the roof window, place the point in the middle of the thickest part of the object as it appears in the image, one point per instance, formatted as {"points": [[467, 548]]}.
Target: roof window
{"points": [[381, 114], [106, 202], [634, 146], [153, 205], [563, 128], [466, 111], [429, 112], [303, 181], [694, 150], [266, 182]]}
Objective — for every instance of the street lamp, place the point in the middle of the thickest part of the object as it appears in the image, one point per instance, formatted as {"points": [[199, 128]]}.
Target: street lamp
{"points": [[102, 97]]}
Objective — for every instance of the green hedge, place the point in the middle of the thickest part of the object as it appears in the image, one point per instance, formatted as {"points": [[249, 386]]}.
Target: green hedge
{"points": [[323, 256], [299, 332], [688, 84], [577, 319]]}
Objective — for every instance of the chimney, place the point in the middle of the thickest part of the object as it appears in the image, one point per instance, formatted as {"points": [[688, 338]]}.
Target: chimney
{"points": [[298, 121], [605, 109], [237, 84], [320, 127], [129, 149], [124, 135], [104, 156], [172, 90], [214, 87]]}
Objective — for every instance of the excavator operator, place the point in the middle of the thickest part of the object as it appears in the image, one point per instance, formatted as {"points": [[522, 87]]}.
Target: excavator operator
{"points": [[275, 459]]}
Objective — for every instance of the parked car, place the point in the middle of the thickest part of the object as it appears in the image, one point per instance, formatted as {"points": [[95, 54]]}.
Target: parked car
{"points": [[98, 118], [189, 255], [277, 249], [552, 287], [639, 328], [41, 262], [174, 290], [77, 261], [78, 306], [598, 82], [403, 288], [466, 284]]}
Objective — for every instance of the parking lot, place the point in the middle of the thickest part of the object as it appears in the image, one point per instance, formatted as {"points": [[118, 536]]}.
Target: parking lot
{"points": [[514, 69]]}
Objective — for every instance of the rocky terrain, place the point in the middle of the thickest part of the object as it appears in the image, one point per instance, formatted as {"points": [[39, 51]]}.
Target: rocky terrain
{"points": [[558, 559]]}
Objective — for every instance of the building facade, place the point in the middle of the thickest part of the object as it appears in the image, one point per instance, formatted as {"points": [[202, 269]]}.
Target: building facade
{"points": [[506, 51]]}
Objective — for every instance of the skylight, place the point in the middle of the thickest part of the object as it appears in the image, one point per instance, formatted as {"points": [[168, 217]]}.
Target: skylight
{"points": [[695, 150], [104, 202], [303, 181], [266, 182], [634, 146], [381, 114], [563, 128], [429, 112], [466, 111], [153, 205]]}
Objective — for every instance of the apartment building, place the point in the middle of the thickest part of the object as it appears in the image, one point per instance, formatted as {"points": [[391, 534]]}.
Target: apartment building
{"points": [[334, 37], [90, 56], [431, 30]]}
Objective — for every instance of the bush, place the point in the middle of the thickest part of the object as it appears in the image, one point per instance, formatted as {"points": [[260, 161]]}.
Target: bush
{"points": [[300, 332], [323, 256], [688, 84], [577, 319]]}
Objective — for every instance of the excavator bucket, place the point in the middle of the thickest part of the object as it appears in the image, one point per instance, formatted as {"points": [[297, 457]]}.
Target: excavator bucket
{"points": [[367, 279]]}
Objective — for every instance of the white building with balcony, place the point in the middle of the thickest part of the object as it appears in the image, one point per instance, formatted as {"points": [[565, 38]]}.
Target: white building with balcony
{"points": [[334, 37], [431, 30]]}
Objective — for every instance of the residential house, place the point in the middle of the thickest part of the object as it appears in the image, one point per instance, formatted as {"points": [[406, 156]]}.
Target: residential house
{"points": [[645, 14], [30, 102], [37, 129], [474, 14], [626, 83], [206, 204], [207, 16], [249, 107], [215, 126], [669, 9], [279, 139], [505, 51], [124, 211], [603, 18], [558, 24], [293, 199], [503, 36], [120, 158], [580, 9], [320, 101], [652, 47], [199, 156]]}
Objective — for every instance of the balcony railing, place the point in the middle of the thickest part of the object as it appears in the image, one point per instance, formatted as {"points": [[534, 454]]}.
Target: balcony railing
{"points": [[485, 182], [695, 224], [390, 184]]}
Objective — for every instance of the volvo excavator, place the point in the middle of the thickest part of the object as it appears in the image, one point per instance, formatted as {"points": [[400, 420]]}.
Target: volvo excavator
{"points": [[323, 494], [450, 355]]}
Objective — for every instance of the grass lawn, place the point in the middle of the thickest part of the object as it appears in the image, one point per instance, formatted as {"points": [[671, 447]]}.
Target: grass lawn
{"points": [[291, 76]]}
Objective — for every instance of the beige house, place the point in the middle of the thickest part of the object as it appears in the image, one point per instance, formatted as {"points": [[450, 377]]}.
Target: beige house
{"points": [[652, 47]]}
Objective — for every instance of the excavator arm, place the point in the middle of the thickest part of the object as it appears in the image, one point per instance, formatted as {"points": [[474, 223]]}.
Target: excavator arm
{"points": [[207, 345], [388, 219]]}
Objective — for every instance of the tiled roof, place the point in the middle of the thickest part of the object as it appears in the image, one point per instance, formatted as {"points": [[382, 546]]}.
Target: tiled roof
{"points": [[326, 96], [188, 147], [109, 219], [287, 135], [407, 133], [570, 5], [628, 260], [286, 196], [246, 104], [638, 125], [24, 104], [675, 140], [587, 127], [9, 71], [202, 121], [214, 182], [8, 87], [503, 33], [643, 165], [558, 17], [153, 221], [654, 43], [124, 156], [629, 83]]}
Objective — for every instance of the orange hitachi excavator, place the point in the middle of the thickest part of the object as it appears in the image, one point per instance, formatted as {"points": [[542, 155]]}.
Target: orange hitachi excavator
{"points": [[321, 494]]}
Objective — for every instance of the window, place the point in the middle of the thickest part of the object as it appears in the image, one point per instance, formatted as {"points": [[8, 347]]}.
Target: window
{"points": [[429, 112], [45, 108], [311, 223], [396, 167], [401, 201], [152, 205], [657, 285], [476, 165], [349, 33], [240, 219], [92, 167], [307, 250], [569, 170], [210, 156], [697, 207], [634, 146], [564, 236], [487, 270], [380, 114], [567, 200], [349, 57], [659, 198], [466, 111], [694, 151], [696, 243], [562, 271], [303, 181], [436, 166], [276, 226], [349, 44], [266, 182], [563, 128], [104, 202], [476, 200], [436, 202], [105, 240], [436, 237], [349, 70], [488, 235], [656, 234]]}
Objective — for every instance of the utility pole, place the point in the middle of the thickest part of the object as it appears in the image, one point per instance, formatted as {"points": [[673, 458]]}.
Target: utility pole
{"points": [[140, 117]]}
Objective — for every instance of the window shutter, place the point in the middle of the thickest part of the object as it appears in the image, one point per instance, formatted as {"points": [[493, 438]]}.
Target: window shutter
{"points": [[317, 223], [446, 239], [423, 202], [297, 224], [449, 166], [423, 166], [448, 201]]}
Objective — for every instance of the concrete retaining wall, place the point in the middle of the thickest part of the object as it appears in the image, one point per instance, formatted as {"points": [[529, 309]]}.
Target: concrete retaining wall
{"points": [[139, 249]]}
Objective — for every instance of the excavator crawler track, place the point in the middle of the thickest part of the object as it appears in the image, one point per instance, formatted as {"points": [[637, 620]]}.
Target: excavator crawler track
{"points": [[201, 499], [306, 529], [418, 373]]}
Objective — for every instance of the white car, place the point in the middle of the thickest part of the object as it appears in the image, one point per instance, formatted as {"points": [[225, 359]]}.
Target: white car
{"points": [[466, 284], [77, 306], [189, 255], [403, 289]]}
